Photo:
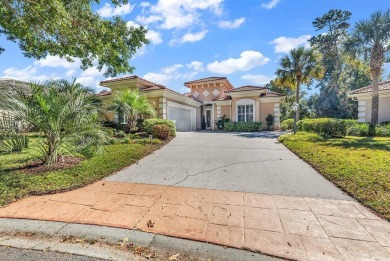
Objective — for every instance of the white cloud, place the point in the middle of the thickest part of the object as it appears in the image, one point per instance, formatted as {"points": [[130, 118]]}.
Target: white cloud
{"points": [[271, 4], [179, 14], [257, 78], [70, 73], [285, 44], [190, 37], [159, 78], [231, 24], [132, 24], [171, 69], [196, 66], [154, 37], [88, 81], [146, 20], [173, 72], [247, 61], [144, 4], [55, 61], [108, 11], [26, 74]]}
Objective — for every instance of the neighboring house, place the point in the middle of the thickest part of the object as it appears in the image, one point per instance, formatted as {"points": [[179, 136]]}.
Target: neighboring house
{"points": [[363, 96], [9, 86], [209, 99]]}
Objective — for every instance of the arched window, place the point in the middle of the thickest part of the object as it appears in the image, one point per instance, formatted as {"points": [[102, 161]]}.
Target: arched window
{"points": [[245, 110]]}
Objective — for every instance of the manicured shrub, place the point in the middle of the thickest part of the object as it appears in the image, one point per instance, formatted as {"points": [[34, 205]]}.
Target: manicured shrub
{"points": [[324, 126], [358, 129], [161, 131], [287, 124], [382, 130], [270, 121], [221, 122], [243, 126], [149, 123]]}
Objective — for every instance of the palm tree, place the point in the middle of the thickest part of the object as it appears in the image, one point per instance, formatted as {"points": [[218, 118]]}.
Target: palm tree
{"points": [[131, 104], [64, 113], [300, 66], [371, 40]]}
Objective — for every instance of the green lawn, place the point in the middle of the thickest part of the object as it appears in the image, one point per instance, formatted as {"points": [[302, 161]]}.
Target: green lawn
{"points": [[16, 184], [359, 166]]}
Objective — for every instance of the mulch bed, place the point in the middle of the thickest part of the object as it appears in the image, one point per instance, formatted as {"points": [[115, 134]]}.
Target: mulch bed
{"points": [[37, 167]]}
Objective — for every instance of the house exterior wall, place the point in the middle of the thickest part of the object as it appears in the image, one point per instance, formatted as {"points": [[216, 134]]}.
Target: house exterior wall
{"points": [[365, 105], [199, 92]]}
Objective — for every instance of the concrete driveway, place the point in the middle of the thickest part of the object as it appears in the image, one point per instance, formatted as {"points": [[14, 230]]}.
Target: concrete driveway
{"points": [[246, 162]]}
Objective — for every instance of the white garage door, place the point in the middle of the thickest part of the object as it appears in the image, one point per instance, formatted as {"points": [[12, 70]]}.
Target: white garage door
{"points": [[184, 116]]}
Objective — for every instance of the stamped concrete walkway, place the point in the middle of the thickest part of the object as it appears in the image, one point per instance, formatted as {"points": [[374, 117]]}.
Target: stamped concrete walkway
{"points": [[301, 228]]}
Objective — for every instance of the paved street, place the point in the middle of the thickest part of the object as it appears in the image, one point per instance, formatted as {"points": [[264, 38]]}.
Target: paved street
{"points": [[12, 254]]}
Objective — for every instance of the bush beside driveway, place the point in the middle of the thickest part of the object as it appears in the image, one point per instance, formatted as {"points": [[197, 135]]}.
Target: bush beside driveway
{"points": [[360, 166]]}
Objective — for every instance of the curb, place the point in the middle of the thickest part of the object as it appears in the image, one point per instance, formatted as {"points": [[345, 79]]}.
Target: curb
{"points": [[200, 250]]}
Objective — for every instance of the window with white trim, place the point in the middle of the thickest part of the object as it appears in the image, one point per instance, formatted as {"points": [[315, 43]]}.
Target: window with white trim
{"points": [[245, 110]]}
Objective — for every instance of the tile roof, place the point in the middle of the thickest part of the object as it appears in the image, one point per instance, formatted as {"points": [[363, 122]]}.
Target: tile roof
{"points": [[103, 93], [223, 98], [206, 80], [127, 78], [383, 86], [271, 94], [155, 87], [247, 88]]}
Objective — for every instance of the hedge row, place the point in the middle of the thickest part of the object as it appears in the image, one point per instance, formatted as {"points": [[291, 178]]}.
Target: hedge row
{"points": [[149, 123], [324, 126], [338, 128], [365, 129], [243, 126]]}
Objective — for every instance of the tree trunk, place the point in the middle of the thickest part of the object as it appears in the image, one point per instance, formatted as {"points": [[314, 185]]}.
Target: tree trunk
{"points": [[375, 73], [296, 119]]}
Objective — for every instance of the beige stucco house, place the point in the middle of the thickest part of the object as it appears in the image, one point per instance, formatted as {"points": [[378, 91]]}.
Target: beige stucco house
{"points": [[209, 99], [363, 96]]}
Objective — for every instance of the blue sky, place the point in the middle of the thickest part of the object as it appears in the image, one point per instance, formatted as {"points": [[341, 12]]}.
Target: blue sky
{"points": [[190, 39]]}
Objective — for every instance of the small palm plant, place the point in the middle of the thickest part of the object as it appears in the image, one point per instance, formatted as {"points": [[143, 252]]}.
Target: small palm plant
{"points": [[64, 113], [131, 104]]}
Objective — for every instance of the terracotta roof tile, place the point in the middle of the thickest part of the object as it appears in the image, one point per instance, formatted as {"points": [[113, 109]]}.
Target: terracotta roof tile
{"points": [[223, 98], [247, 88], [271, 94], [383, 86], [103, 93], [155, 87], [127, 78], [206, 80]]}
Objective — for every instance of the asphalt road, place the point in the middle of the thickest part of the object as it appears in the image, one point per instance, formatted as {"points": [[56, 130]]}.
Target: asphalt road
{"points": [[13, 254], [249, 162]]}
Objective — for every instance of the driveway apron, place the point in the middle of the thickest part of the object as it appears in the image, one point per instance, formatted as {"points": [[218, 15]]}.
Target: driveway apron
{"points": [[246, 162]]}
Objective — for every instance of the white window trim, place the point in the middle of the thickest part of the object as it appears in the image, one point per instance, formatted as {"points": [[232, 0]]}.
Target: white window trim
{"points": [[246, 102]]}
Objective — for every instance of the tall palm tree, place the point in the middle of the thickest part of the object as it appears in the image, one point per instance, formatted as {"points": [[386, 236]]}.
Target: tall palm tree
{"points": [[64, 112], [131, 104], [371, 40], [298, 67]]}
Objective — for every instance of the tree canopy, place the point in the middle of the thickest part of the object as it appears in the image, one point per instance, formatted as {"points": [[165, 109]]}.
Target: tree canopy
{"points": [[71, 29]]}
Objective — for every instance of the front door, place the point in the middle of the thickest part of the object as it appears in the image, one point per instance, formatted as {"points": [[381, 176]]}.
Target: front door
{"points": [[208, 118]]}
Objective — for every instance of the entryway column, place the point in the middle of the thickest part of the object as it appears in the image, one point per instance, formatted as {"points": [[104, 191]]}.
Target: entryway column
{"points": [[362, 111], [277, 115], [163, 108]]}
